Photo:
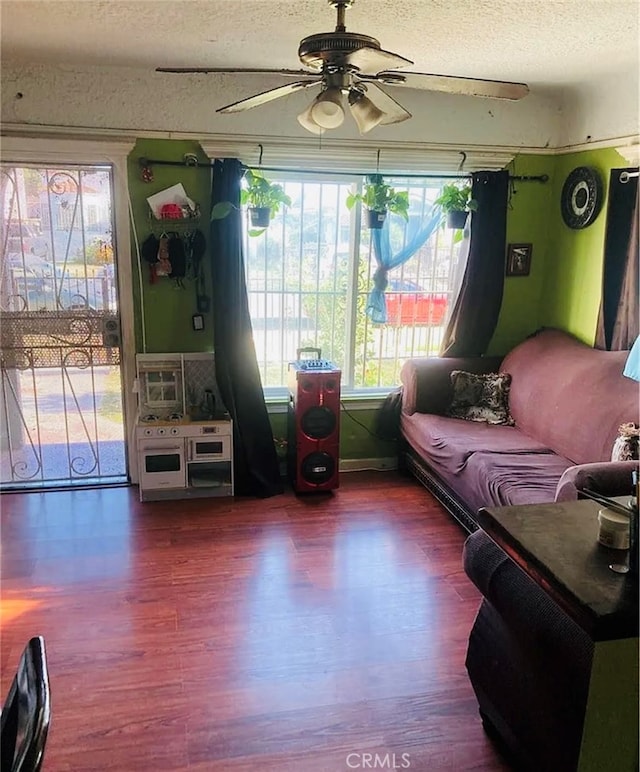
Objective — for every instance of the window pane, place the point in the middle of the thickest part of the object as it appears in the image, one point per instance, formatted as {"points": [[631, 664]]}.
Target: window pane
{"points": [[297, 278], [418, 295], [55, 240], [305, 290]]}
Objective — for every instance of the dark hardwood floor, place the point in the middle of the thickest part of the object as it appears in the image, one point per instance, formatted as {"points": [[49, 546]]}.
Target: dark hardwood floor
{"points": [[291, 634]]}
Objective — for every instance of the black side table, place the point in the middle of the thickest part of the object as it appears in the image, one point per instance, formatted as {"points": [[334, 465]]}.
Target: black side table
{"points": [[556, 546]]}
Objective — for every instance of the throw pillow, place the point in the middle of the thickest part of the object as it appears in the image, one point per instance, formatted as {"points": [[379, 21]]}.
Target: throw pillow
{"points": [[625, 448], [481, 397]]}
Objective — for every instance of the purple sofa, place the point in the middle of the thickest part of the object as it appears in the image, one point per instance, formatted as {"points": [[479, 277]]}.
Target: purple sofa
{"points": [[528, 662], [567, 400]]}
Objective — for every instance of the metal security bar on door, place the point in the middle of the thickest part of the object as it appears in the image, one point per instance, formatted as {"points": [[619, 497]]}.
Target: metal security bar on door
{"points": [[61, 395]]}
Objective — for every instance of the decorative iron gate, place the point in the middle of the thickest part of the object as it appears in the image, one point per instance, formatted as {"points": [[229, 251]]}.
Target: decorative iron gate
{"points": [[61, 393]]}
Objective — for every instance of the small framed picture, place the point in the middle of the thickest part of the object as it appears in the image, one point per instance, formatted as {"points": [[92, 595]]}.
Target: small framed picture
{"points": [[519, 259]]}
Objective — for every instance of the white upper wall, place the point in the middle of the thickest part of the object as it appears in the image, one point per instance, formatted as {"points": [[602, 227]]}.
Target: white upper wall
{"points": [[603, 109], [140, 100]]}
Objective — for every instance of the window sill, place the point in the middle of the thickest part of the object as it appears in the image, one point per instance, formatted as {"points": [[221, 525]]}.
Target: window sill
{"points": [[352, 401]]}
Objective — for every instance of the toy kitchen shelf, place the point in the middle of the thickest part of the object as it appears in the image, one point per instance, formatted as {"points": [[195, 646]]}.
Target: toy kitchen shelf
{"points": [[184, 437]]}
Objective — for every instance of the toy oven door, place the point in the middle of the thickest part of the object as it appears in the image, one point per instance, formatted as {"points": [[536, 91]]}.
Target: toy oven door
{"points": [[162, 465], [210, 448]]}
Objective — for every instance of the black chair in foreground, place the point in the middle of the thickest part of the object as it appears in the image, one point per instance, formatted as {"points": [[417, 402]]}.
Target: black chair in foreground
{"points": [[26, 712]]}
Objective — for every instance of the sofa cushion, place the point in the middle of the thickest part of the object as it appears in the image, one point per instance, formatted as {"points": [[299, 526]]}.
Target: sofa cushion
{"points": [[570, 396], [482, 397], [448, 443], [494, 479], [426, 381]]}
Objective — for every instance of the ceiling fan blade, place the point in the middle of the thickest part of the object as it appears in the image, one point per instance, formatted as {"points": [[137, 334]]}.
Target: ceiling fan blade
{"points": [[371, 60], [267, 96], [449, 84], [394, 111], [238, 70]]}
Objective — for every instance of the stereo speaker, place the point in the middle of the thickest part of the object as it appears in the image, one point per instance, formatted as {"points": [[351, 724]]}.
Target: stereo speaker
{"points": [[314, 429]]}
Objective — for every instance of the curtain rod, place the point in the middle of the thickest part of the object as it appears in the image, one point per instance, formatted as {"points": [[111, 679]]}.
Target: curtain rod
{"points": [[193, 162]]}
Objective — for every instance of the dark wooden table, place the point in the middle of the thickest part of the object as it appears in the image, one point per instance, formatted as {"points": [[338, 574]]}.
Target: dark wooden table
{"points": [[557, 546]]}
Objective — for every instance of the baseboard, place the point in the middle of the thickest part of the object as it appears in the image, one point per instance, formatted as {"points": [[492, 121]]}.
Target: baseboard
{"points": [[363, 464]]}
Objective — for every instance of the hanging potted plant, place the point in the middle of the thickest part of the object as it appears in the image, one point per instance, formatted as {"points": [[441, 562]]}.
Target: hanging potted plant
{"points": [[263, 198], [456, 202], [380, 198]]}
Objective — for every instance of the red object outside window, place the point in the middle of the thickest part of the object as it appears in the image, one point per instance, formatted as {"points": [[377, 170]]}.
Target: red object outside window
{"points": [[409, 304]]}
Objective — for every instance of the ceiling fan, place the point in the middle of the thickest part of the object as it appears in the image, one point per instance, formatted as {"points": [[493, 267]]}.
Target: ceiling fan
{"points": [[351, 64]]}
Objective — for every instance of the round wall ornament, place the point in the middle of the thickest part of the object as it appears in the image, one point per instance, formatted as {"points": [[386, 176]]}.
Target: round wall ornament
{"points": [[581, 198]]}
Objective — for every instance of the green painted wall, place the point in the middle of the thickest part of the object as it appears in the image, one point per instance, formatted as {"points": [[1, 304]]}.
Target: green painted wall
{"points": [[573, 276], [562, 289], [356, 436], [610, 736], [357, 428], [279, 425], [167, 309], [528, 216]]}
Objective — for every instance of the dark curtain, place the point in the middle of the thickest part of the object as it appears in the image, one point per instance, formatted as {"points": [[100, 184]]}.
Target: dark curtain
{"points": [[475, 312], [618, 318], [256, 469], [387, 420]]}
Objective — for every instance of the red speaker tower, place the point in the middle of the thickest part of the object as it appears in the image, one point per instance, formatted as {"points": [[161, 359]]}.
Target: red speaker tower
{"points": [[313, 424]]}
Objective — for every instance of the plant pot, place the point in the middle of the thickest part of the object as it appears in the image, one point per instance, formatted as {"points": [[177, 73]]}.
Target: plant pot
{"points": [[457, 219], [260, 216], [376, 219]]}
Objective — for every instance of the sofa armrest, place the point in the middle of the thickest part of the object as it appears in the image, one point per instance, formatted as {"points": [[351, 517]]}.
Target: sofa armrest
{"points": [[530, 614], [609, 478], [427, 384]]}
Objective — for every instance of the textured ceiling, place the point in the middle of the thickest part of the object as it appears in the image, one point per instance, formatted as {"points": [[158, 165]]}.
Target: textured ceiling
{"points": [[544, 43]]}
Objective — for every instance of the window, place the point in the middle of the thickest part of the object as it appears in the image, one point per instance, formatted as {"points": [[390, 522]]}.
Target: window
{"points": [[50, 259], [162, 388], [310, 273]]}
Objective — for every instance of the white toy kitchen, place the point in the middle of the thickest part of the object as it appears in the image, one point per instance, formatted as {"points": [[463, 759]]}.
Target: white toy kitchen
{"points": [[184, 436]]}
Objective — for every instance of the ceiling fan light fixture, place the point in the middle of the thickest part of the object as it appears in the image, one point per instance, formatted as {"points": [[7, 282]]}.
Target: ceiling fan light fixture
{"points": [[327, 110], [305, 119], [364, 112], [344, 62]]}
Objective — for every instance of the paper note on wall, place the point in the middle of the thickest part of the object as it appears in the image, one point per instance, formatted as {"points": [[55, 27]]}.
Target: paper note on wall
{"points": [[176, 194]]}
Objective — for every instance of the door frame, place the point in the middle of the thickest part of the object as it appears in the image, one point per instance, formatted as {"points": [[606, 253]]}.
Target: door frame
{"points": [[49, 150]]}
